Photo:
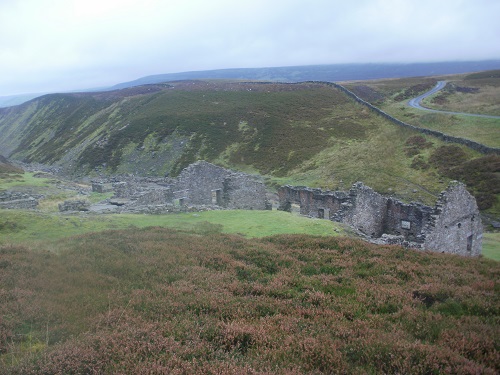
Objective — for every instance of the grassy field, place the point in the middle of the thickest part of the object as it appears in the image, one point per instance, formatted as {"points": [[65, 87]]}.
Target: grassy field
{"points": [[153, 300], [18, 226], [482, 130], [491, 245]]}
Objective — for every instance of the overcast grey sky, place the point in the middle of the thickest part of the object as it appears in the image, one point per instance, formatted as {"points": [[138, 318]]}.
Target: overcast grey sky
{"points": [[57, 45]]}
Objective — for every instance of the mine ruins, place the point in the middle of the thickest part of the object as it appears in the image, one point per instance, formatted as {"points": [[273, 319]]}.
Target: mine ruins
{"points": [[453, 225]]}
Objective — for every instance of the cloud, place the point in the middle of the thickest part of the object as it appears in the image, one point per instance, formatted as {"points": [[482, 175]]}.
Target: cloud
{"points": [[67, 44]]}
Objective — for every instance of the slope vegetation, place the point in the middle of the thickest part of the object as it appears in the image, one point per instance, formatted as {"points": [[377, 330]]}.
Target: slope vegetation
{"points": [[472, 93], [152, 300], [307, 134]]}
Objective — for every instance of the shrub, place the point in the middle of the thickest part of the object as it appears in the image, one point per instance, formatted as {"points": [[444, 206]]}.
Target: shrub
{"points": [[158, 301]]}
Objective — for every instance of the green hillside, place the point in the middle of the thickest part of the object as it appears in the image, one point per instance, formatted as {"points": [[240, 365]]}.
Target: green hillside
{"points": [[470, 93], [306, 134], [237, 292]]}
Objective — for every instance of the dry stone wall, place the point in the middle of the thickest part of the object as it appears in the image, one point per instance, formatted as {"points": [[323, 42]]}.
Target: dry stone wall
{"points": [[452, 226], [18, 200], [201, 184], [74, 205]]}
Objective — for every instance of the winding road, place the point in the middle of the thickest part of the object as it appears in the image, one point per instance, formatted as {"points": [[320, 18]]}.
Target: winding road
{"points": [[416, 103]]}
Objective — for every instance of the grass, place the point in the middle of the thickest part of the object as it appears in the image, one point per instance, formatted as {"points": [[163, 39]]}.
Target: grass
{"points": [[155, 300], [491, 245], [392, 97], [31, 227], [482, 130], [24, 179]]}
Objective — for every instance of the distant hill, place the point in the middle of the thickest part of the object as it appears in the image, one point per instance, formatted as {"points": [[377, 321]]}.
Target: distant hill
{"points": [[8, 101], [329, 73]]}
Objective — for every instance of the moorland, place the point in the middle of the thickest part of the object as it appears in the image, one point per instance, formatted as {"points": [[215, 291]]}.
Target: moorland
{"points": [[243, 291]]}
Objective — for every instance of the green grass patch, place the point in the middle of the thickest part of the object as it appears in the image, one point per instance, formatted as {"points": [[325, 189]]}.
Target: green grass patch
{"points": [[25, 179], [491, 245], [39, 227]]}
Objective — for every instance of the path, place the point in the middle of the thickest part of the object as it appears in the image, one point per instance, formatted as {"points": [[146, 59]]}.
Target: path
{"points": [[416, 103]]}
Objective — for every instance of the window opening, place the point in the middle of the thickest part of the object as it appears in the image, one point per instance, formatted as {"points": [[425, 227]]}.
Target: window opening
{"points": [[469, 243]]}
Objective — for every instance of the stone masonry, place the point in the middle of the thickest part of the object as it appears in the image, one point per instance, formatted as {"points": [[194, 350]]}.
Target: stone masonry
{"points": [[201, 184], [74, 205], [18, 200], [452, 226]]}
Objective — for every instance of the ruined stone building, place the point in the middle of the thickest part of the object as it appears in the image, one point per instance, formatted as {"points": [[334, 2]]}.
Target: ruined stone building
{"points": [[203, 183], [199, 184], [453, 225]]}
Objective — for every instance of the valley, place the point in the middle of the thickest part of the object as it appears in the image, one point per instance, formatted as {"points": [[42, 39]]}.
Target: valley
{"points": [[243, 291]]}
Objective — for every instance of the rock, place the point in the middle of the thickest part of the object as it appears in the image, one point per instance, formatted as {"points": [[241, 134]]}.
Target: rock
{"points": [[74, 205]]}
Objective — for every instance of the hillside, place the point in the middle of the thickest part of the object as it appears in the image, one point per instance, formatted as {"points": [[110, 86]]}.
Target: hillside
{"points": [[470, 93], [306, 134], [158, 301], [230, 292], [6, 167], [329, 72]]}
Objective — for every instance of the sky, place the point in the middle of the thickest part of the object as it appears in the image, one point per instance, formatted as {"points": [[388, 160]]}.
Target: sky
{"points": [[61, 45]]}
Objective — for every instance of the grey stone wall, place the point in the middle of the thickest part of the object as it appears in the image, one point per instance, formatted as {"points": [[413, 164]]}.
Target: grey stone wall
{"points": [[313, 202], [100, 187], [456, 225], [203, 183], [367, 210], [74, 205], [452, 226], [155, 197], [18, 200], [242, 191], [199, 184]]}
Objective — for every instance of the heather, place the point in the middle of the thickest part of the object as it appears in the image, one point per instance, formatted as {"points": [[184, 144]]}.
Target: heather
{"points": [[155, 300]]}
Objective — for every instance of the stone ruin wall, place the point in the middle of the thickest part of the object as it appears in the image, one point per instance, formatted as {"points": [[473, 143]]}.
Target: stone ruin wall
{"points": [[203, 183], [374, 214], [17, 200], [452, 226], [199, 184], [74, 205], [456, 224], [245, 192]]}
